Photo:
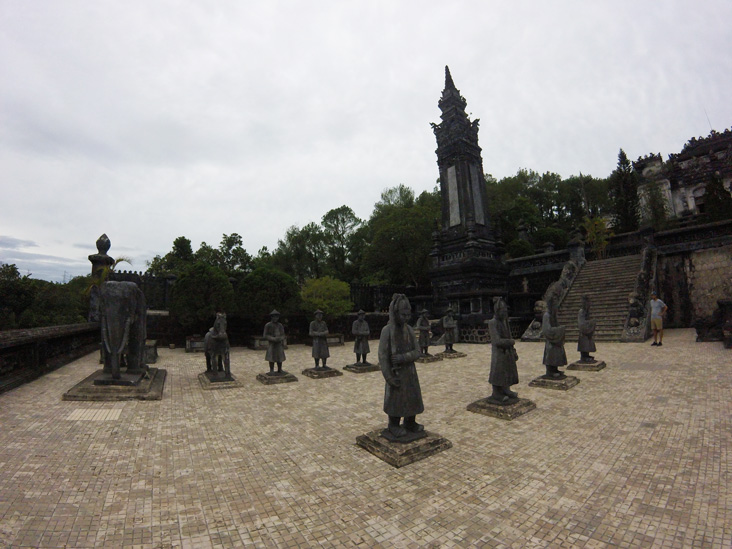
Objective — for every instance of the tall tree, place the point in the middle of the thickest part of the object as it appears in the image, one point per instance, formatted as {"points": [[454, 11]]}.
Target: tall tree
{"points": [[301, 253], [339, 226], [653, 205], [623, 190]]}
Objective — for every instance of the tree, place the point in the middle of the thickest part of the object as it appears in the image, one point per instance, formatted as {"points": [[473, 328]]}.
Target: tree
{"points": [[401, 239], [717, 200], [175, 261], [331, 296], [16, 295], [339, 226], [301, 254], [623, 190], [653, 205], [597, 235], [199, 293], [234, 259], [265, 289]]}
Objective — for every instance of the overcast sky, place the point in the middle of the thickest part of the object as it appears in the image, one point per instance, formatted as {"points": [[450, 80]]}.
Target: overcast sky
{"points": [[148, 120]]}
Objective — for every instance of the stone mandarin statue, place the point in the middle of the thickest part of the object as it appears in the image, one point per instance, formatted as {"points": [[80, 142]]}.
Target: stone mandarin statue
{"points": [[586, 325], [450, 325], [504, 372], [397, 352], [274, 333], [423, 326], [554, 355], [319, 333], [360, 330]]}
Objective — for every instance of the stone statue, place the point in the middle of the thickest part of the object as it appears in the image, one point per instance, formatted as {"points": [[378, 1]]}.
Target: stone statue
{"points": [[525, 285], [274, 333], [360, 330], [503, 355], [554, 355], [586, 325], [319, 333], [423, 326], [123, 319], [397, 353], [450, 325], [216, 347]]}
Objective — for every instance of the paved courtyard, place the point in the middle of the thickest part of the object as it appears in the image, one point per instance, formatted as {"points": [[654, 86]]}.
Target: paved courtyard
{"points": [[636, 455]]}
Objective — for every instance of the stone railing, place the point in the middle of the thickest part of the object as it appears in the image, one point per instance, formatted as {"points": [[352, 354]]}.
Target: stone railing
{"points": [[637, 324], [694, 237], [28, 354]]}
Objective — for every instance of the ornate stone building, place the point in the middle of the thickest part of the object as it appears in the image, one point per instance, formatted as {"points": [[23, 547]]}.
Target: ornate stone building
{"points": [[466, 269], [683, 177]]}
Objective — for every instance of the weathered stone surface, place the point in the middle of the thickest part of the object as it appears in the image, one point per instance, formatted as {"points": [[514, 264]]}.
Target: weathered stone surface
{"points": [[487, 406], [125, 379], [452, 354], [399, 454], [428, 359], [315, 373], [284, 377], [563, 384], [595, 366], [150, 388], [210, 381], [151, 351], [361, 368]]}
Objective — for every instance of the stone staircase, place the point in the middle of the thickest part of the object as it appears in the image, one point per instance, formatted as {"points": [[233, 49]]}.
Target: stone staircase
{"points": [[608, 282]]}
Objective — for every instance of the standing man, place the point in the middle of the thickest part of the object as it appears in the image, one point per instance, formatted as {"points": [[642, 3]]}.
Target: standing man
{"points": [[658, 309]]}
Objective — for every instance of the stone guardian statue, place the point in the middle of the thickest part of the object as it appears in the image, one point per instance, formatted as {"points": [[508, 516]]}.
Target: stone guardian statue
{"points": [[274, 333], [319, 333], [554, 355], [586, 325], [360, 330], [423, 326], [397, 352], [504, 372]]}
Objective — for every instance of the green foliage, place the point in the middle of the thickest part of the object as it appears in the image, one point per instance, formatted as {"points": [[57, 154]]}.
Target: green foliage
{"points": [[558, 237], [301, 254], [519, 248], [199, 293], [401, 238], [597, 235], [339, 229], [331, 296], [265, 289], [230, 257], [16, 295], [623, 190], [654, 207], [717, 200]]}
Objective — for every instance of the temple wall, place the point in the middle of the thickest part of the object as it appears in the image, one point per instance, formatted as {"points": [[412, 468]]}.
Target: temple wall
{"points": [[690, 283]]}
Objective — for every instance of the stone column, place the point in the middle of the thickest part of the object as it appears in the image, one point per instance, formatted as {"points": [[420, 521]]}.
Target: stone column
{"points": [[100, 263]]}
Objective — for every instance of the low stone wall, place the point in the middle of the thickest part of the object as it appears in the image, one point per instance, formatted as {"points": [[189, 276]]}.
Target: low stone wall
{"points": [[28, 354]]}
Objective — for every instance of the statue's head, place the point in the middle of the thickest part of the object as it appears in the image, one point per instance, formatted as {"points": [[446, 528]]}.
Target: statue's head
{"points": [[586, 302], [274, 315], [220, 323], [400, 310], [361, 314], [319, 314], [500, 308], [425, 313], [449, 311]]}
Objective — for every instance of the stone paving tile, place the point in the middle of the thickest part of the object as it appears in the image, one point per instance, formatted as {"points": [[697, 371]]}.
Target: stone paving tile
{"points": [[636, 455]]}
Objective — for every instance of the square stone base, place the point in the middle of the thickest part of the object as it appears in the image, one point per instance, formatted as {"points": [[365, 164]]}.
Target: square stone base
{"points": [[150, 388], [559, 384], [595, 366], [508, 411], [428, 359], [320, 374], [210, 381], [125, 379], [454, 354], [362, 368], [399, 454], [284, 377]]}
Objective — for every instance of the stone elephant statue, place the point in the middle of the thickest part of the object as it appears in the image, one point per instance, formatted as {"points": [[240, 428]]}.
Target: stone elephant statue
{"points": [[122, 314]]}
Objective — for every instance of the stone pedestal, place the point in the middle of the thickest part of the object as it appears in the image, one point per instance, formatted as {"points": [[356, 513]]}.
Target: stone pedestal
{"points": [[274, 379], [450, 354], [563, 384], [125, 379], [217, 380], [320, 373], [594, 366], [148, 388], [399, 454], [362, 367], [429, 358], [513, 409]]}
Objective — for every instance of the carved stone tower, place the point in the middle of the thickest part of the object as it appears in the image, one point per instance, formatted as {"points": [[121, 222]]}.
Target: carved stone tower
{"points": [[466, 270]]}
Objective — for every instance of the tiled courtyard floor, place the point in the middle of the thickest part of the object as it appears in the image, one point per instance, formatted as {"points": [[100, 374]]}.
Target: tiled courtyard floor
{"points": [[636, 455]]}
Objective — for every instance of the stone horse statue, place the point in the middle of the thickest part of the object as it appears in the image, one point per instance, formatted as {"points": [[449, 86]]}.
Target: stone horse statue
{"points": [[216, 347], [122, 314]]}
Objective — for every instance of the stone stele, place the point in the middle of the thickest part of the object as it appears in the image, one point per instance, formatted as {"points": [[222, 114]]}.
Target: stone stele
{"points": [[488, 407], [399, 454]]}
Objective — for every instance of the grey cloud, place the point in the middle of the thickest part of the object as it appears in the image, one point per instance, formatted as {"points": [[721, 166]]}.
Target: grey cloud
{"points": [[11, 243]]}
